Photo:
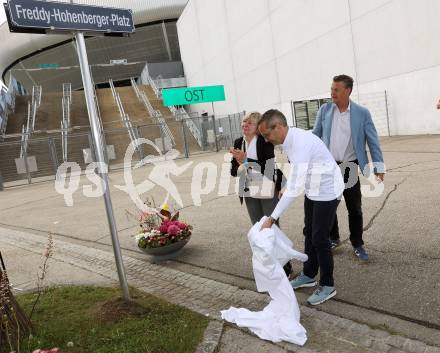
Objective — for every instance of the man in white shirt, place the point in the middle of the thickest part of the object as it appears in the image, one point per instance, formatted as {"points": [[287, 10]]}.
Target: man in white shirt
{"points": [[315, 172]]}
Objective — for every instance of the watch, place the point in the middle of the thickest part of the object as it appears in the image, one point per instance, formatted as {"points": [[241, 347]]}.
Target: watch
{"points": [[272, 220]]}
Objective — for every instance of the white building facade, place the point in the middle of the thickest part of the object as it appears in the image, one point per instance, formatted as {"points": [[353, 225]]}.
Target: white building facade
{"points": [[269, 53]]}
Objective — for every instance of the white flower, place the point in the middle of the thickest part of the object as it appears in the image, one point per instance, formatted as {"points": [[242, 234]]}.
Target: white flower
{"points": [[139, 237]]}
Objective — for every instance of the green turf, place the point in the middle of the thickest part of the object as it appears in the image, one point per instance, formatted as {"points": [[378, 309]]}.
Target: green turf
{"points": [[87, 317]]}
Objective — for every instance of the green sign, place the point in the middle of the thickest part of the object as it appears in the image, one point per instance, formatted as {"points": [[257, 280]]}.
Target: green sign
{"points": [[48, 66], [193, 95]]}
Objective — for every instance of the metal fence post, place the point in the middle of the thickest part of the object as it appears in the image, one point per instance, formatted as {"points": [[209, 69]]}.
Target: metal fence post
{"points": [[185, 142], [215, 133], [26, 165], [387, 112], [230, 130], [53, 154]]}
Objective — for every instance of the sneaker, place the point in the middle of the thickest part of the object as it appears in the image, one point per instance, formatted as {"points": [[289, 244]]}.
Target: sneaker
{"points": [[334, 243], [361, 253], [302, 281], [321, 294]]}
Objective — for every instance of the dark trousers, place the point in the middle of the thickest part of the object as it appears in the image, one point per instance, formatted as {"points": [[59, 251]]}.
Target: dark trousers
{"points": [[319, 217], [257, 208], [353, 201]]}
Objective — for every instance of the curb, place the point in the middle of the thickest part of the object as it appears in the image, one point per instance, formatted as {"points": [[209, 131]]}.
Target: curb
{"points": [[208, 297], [211, 338]]}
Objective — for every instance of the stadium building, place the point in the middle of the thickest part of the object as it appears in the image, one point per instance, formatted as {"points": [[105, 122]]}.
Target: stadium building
{"points": [[266, 53]]}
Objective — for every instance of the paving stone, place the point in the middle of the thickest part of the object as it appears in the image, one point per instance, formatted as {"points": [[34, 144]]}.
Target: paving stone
{"points": [[396, 341], [396, 350], [327, 333], [431, 349], [412, 346]]}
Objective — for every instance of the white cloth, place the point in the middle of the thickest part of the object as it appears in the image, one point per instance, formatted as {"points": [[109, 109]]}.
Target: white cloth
{"points": [[278, 321], [313, 170], [341, 143]]}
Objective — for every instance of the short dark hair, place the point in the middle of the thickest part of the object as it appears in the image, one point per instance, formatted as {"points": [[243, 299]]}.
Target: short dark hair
{"points": [[347, 80], [272, 117]]}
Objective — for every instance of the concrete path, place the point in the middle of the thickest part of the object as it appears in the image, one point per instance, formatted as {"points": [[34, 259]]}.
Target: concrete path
{"points": [[398, 287], [327, 333]]}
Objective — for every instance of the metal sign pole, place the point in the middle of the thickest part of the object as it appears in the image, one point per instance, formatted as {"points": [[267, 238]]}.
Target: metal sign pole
{"points": [[96, 133]]}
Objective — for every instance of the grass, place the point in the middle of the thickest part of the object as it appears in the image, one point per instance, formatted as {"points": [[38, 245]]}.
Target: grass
{"points": [[97, 321]]}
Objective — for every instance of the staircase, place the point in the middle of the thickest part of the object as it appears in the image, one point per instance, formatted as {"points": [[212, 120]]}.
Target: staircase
{"points": [[48, 122], [175, 126], [19, 118]]}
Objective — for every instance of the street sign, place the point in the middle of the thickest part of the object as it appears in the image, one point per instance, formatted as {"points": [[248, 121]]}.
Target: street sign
{"points": [[48, 66], [59, 16], [193, 95], [30, 16]]}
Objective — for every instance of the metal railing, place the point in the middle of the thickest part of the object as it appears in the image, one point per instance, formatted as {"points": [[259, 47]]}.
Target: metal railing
{"points": [[181, 114], [64, 134], [4, 122], [67, 102], [135, 87], [157, 91], [36, 102], [65, 123], [125, 118], [31, 117], [9, 106], [43, 154], [155, 114]]}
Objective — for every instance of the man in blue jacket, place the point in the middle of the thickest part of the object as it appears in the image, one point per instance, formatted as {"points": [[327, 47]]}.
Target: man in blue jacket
{"points": [[346, 127]]}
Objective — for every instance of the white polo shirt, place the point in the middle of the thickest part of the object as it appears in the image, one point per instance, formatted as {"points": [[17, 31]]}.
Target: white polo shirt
{"points": [[341, 143], [313, 170]]}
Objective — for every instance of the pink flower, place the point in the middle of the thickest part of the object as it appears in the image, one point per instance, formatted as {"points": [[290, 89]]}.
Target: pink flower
{"points": [[173, 229], [163, 227], [181, 225]]}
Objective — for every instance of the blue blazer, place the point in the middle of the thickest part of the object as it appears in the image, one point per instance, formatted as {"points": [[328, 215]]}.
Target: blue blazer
{"points": [[362, 131]]}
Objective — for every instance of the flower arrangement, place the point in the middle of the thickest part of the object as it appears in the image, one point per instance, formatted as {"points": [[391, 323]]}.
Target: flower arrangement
{"points": [[160, 228]]}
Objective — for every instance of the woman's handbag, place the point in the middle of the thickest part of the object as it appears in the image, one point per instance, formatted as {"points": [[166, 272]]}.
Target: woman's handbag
{"points": [[257, 185]]}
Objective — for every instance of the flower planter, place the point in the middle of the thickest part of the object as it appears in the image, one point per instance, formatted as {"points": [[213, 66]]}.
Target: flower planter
{"points": [[166, 252]]}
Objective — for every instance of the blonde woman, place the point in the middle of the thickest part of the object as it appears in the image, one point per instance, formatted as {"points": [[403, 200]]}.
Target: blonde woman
{"points": [[253, 158]]}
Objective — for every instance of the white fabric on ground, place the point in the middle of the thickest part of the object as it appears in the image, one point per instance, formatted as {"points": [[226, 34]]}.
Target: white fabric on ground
{"points": [[278, 321]]}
